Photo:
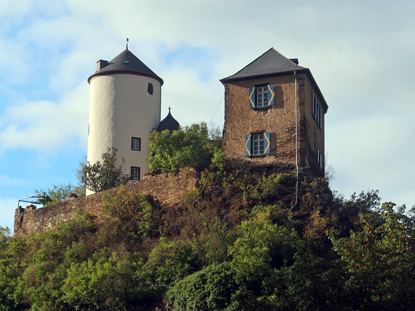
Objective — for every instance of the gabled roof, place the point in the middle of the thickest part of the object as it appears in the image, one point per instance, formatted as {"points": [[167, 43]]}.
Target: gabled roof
{"points": [[273, 63], [168, 123], [126, 62], [269, 63]]}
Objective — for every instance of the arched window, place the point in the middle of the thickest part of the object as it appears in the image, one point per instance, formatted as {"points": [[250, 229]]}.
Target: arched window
{"points": [[150, 88]]}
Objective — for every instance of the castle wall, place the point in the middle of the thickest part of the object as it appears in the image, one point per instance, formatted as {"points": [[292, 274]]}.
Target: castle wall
{"points": [[169, 189], [279, 120], [313, 133]]}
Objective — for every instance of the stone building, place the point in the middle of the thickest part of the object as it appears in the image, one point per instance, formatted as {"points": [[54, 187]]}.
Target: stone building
{"points": [[274, 115]]}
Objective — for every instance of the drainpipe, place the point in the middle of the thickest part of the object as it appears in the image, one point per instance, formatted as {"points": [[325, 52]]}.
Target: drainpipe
{"points": [[296, 143]]}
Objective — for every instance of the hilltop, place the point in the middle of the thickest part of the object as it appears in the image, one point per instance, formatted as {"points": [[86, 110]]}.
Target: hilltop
{"points": [[229, 243]]}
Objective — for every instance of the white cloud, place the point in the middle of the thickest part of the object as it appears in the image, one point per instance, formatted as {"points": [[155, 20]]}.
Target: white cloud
{"points": [[45, 125], [372, 152]]}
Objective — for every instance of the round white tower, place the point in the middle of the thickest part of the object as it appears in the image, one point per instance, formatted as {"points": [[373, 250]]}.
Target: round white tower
{"points": [[125, 105]]}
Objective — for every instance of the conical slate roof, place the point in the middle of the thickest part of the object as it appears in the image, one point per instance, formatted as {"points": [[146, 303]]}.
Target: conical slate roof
{"points": [[269, 63], [126, 62], [168, 123]]}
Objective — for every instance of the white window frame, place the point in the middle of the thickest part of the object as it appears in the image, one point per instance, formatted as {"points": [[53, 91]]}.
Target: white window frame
{"points": [[258, 144], [135, 143], [261, 96], [135, 173]]}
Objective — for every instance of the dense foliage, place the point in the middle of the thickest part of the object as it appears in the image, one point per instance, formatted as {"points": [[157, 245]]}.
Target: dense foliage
{"points": [[189, 146], [103, 175], [230, 245]]}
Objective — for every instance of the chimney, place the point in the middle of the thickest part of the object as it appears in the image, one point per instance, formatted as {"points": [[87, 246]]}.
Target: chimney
{"points": [[101, 64], [294, 60]]}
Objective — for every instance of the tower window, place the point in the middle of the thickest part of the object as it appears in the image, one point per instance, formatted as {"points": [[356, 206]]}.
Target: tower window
{"points": [[257, 144], [135, 173], [135, 143], [261, 96], [150, 88], [316, 111]]}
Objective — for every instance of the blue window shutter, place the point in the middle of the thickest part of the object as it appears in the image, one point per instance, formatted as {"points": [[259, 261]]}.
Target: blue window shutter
{"points": [[267, 143], [248, 147], [271, 95], [252, 97]]}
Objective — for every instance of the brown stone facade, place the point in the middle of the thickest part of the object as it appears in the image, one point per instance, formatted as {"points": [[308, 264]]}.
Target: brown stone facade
{"points": [[279, 120], [168, 189]]}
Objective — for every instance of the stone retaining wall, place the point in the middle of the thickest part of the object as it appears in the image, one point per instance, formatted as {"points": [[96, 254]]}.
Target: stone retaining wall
{"points": [[168, 189]]}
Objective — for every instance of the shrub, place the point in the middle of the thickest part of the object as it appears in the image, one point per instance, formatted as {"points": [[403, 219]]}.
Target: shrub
{"points": [[208, 289]]}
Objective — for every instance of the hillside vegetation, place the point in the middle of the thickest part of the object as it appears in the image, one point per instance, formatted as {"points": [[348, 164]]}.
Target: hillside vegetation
{"points": [[231, 244]]}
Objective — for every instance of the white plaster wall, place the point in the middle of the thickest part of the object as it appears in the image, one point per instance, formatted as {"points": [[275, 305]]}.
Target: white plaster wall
{"points": [[121, 108]]}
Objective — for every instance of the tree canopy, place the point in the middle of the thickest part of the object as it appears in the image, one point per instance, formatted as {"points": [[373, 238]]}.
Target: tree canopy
{"points": [[189, 146]]}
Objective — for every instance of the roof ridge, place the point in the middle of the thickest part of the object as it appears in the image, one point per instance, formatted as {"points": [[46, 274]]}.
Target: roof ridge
{"points": [[269, 63], [255, 60]]}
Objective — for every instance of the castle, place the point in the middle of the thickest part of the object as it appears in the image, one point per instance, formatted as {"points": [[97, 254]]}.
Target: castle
{"points": [[274, 116], [274, 113]]}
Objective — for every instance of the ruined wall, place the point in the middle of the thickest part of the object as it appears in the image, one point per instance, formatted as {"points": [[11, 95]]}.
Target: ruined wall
{"points": [[168, 189]]}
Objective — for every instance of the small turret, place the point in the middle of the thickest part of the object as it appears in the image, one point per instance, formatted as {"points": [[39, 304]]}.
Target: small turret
{"points": [[168, 123]]}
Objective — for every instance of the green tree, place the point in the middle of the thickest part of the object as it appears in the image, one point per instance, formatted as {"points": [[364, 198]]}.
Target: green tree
{"points": [[4, 237], [262, 246], [208, 289], [61, 193], [190, 146], [100, 283], [168, 261], [380, 262], [103, 175], [135, 212]]}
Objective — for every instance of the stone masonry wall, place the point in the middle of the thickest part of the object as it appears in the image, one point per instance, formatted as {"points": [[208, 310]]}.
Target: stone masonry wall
{"points": [[168, 189], [278, 120], [314, 134]]}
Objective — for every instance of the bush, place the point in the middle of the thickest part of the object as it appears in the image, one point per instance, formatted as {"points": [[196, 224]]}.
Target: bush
{"points": [[135, 212], [103, 175], [208, 289], [171, 151], [168, 261]]}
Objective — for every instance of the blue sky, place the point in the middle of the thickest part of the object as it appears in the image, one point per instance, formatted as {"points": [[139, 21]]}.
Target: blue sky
{"points": [[360, 53]]}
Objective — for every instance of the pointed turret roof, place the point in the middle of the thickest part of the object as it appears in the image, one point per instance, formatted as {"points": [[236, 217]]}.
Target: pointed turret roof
{"points": [[269, 63], [125, 62], [168, 123]]}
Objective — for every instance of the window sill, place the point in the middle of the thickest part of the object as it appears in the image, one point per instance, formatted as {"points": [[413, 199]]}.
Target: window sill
{"points": [[261, 109], [258, 155]]}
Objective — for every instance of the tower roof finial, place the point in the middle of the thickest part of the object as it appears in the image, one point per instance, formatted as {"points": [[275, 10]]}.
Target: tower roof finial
{"points": [[126, 44]]}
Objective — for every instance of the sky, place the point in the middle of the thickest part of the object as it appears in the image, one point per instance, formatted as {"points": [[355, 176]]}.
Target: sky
{"points": [[360, 53]]}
